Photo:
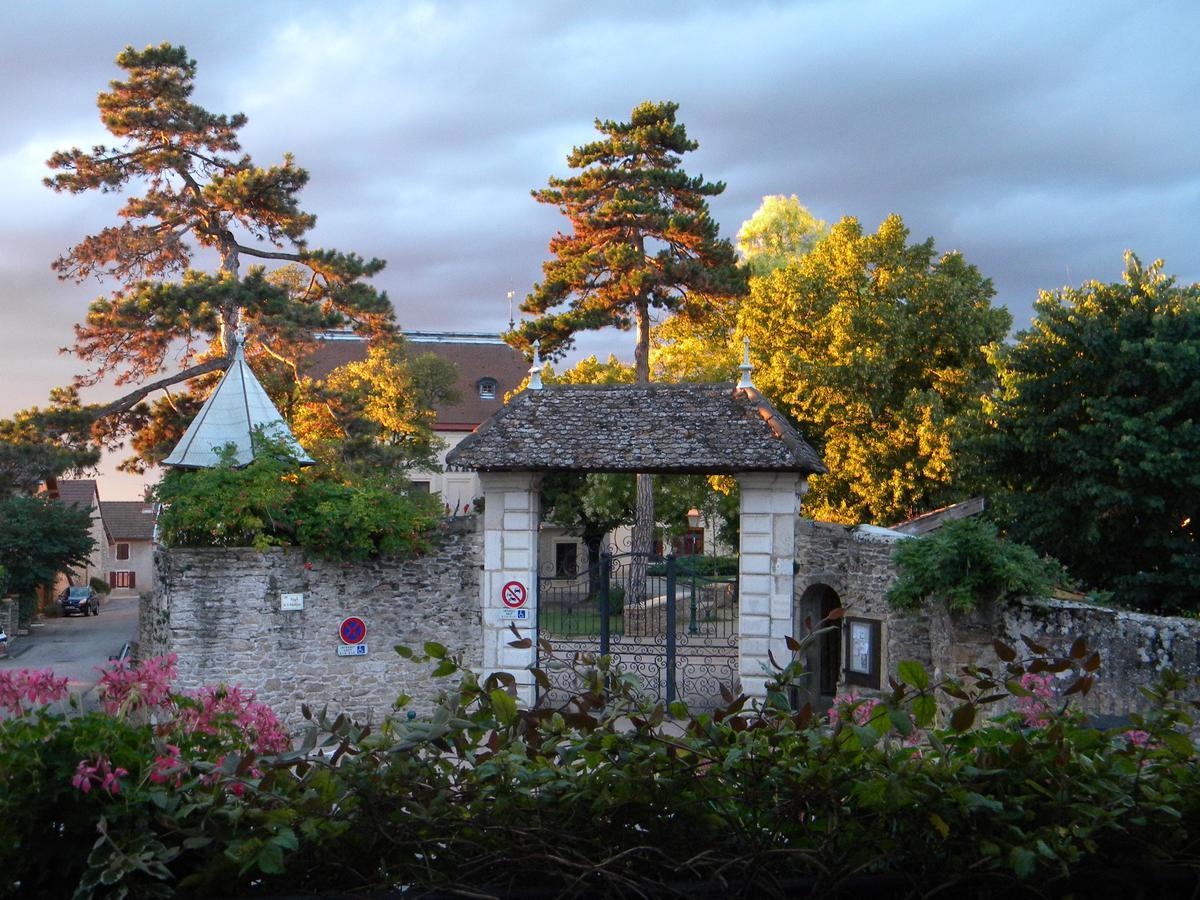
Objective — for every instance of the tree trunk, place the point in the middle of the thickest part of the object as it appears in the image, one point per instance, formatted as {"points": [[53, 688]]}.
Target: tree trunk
{"points": [[643, 521], [594, 542]]}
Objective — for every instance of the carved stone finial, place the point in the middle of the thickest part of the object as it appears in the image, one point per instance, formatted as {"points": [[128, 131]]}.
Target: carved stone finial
{"points": [[535, 370], [745, 368]]}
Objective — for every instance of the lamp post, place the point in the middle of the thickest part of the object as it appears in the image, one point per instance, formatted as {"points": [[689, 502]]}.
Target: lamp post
{"points": [[693, 517]]}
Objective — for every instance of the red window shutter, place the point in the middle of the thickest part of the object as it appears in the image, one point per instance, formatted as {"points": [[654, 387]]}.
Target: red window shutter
{"points": [[133, 579]]}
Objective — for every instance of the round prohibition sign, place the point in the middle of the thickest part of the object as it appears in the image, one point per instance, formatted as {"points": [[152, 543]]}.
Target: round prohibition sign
{"points": [[352, 630], [513, 594]]}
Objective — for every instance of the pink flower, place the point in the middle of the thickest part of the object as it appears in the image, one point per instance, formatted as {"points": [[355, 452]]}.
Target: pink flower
{"points": [[100, 774], [144, 685], [37, 688], [852, 707], [231, 707], [1036, 709], [1137, 738]]}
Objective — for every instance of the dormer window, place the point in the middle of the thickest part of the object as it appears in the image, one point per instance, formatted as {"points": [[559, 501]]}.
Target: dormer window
{"points": [[487, 388]]}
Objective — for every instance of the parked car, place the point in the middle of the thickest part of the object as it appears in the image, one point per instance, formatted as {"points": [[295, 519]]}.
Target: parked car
{"points": [[81, 599]]}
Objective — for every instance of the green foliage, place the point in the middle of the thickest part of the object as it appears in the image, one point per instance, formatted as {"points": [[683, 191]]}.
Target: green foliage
{"points": [[875, 347], [100, 586], [780, 232], [614, 794], [376, 416], [39, 539], [700, 565], [1091, 445], [37, 444], [271, 502], [966, 564]]}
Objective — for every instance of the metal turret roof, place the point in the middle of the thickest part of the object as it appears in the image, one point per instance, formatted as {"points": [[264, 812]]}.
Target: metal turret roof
{"points": [[233, 411]]}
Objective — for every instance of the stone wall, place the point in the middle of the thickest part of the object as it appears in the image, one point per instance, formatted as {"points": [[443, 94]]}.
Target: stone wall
{"points": [[855, 562], [1135, 648], [219, 610]]}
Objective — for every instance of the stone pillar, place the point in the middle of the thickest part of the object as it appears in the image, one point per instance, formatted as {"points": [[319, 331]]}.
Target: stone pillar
{"points": [[510, 537], [769, 507]]}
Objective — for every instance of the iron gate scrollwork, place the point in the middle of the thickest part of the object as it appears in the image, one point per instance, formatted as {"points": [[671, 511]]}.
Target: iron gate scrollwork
{"points": [[659, 618]]}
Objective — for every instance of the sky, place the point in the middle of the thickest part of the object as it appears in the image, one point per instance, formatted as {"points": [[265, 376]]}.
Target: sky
{"points": [[1041, 140]]}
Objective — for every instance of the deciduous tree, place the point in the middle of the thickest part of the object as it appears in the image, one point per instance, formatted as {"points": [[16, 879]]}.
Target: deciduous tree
{"points": [[875, 347], [780, 232], [39, 539], [1091, 444]]}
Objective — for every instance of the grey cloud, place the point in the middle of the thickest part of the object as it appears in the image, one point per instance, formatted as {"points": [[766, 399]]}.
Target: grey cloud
{"points": [[1039, 139]]}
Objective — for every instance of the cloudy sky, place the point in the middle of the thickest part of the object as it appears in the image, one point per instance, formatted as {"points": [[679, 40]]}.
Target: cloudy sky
{"points": [[1040, 139]]}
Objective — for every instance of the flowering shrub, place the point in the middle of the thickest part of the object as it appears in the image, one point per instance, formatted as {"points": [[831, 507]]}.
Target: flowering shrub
{"points": [[25, 688], [202, 794], [1035, 707]]}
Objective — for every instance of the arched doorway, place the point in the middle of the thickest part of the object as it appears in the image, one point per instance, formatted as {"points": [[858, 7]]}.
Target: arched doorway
{"points": [[824, 659]]}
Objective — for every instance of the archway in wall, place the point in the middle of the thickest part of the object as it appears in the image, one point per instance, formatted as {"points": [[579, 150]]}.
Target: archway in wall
{"points": [[825, 660], [667, 429]]}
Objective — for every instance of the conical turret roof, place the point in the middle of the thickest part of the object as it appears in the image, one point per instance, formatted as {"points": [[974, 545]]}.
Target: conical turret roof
{"points": [[230, 415]]}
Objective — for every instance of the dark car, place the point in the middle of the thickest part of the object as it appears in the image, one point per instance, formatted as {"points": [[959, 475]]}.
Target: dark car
{"points": [[82, 600]]}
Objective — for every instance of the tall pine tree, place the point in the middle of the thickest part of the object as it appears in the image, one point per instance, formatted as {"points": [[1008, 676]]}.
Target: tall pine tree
{"points": [[642, 239], [194, 191]]}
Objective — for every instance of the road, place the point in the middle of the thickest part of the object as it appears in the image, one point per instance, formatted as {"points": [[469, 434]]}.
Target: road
{"points": [[74, 646]]}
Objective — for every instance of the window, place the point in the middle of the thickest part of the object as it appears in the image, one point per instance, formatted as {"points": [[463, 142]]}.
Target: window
{"points": [[566, 560], [487, 388], [122, 551], [122, 579], [863, 652]]}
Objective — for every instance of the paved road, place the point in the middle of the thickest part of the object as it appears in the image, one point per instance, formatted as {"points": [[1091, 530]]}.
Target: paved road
{"points": [[75, 645]]}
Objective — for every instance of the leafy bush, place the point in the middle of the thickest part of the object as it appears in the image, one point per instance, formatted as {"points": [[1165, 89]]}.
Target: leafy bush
{"points": [[616, 600], [273, 502], [606, 797], [710, 566], [100, 586], [966, 564]]}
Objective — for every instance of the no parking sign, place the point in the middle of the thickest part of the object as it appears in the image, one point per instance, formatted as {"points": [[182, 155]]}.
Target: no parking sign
{"points": [[353, 630], [513, 595]]}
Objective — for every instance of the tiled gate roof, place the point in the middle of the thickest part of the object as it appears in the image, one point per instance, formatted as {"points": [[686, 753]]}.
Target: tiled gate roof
{"points": [[664, 428]]}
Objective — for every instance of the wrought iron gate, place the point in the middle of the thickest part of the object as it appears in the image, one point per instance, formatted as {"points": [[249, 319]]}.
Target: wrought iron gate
{"points": [[657, 617]]}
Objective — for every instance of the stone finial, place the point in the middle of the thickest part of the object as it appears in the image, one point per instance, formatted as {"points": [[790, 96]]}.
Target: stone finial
{"points": [[745, 368], [239, 335], [535, 370]]}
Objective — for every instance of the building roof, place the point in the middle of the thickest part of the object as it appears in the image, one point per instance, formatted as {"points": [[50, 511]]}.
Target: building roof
{"points": [[477, 355], [666, 428], [128, 520], [932, 521], [81, 492], [231, 414]]}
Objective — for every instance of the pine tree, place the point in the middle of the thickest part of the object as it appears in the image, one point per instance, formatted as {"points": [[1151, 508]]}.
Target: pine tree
{"points": [[198, 194], [642, 239]]}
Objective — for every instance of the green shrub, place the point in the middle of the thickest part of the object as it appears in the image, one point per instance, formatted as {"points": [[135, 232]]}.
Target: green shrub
{"points": [[966, 564], [710, 566], [100, 586], [616, 600], [273, 502], [609, 798]]}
